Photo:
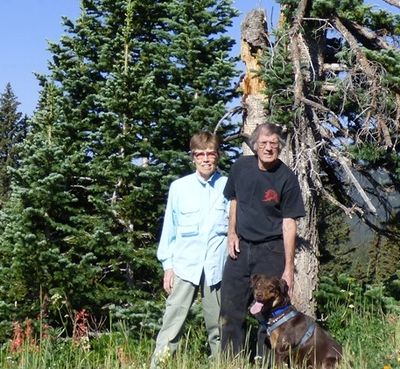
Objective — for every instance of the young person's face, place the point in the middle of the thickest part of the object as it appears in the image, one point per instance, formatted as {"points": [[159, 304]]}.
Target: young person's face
{"points": [[268, 149], [206, 161]]}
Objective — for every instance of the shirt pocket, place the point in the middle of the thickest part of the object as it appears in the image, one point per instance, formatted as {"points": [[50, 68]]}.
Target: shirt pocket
{"points": [[188, 221], [221, 224]]}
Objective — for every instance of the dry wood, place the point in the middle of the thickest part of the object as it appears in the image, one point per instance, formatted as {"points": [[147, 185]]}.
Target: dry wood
{"points": [[296, 52], [353, 42], [393, 2], [254, 40], [385, 131], [366, 36], [338, 156], [305, 163], [334, 67]]}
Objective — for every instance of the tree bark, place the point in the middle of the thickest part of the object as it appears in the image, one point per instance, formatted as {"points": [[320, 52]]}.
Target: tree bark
{"points": [[253, 42], [305, 163]]}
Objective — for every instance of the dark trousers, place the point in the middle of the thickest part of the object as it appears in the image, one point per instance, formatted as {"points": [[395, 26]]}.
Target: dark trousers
{"points": [[236, 295]]}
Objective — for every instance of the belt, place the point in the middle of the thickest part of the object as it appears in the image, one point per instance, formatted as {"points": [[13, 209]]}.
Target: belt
{"points": [[260, 242]]}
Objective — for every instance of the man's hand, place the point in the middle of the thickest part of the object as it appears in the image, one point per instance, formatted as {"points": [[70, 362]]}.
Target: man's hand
{"points": [[168, 280], [288, 276], [233, 245]]}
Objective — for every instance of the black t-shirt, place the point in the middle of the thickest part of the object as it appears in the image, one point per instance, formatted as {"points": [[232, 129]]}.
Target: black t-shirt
{"points": [[264, 198]]}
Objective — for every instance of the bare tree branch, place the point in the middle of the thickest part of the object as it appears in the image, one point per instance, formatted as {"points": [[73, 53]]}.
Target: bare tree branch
{"points": [[362, 59], [316, 105], [393, 2], [365, 36], [230, 113], [334, 67], [335, 154], [348, 211], [385, 131]]}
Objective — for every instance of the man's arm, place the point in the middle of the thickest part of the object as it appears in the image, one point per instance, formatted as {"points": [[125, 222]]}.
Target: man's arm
{"points": [[233, 239], [289, 228]]}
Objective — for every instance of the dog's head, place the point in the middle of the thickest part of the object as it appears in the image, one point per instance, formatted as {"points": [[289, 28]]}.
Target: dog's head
{"points": [[270, 291]]}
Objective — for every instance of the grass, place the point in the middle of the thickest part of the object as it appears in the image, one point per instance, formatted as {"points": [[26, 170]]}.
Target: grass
{"points": [[371, 340]]}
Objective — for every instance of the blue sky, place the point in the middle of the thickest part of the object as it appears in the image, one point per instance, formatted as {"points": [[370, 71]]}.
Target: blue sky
{"points": [[27, 25]]}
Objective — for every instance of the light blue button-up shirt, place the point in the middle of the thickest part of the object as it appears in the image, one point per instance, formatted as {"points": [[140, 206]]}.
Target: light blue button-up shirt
{"points": [[195, 226]]}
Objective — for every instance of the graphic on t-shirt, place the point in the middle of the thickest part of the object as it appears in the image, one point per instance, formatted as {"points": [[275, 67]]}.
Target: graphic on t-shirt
{"points": [[270, 196]]}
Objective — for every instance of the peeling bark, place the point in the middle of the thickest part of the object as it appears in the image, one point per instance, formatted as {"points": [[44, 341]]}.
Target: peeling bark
{"points": [[253, 42]]}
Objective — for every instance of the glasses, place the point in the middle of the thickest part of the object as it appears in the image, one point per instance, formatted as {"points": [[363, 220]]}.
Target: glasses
{"points": [[201, 155], [264, 144]]}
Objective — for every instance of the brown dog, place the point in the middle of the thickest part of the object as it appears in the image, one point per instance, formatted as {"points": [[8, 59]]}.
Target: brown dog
{"points": [[293, 335]]}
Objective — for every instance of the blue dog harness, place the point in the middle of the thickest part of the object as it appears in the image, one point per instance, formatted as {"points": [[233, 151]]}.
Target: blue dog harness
{"points": [[283, 318]]}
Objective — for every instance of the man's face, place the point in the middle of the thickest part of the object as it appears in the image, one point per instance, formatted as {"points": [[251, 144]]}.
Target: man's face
{"points": [[268, 149], [206, 161]]}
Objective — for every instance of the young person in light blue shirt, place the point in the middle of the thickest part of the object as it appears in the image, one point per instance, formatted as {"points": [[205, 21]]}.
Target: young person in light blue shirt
{"points": [[193, 247]]}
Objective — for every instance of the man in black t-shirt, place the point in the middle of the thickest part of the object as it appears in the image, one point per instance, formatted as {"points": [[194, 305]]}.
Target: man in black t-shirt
{"points": [[265, 203]]}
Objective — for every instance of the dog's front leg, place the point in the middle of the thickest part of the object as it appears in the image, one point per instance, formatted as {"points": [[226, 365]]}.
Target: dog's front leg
{"points": [[281, 355]]}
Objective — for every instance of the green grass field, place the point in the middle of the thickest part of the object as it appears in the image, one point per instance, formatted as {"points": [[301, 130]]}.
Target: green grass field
{"points": [[371, 340]]}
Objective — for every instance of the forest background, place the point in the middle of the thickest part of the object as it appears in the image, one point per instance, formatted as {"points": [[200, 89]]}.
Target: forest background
{"points": [[84, 179]]}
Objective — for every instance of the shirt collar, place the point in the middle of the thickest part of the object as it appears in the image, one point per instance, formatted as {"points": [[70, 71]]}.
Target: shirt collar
{"points": [[210, 180]]}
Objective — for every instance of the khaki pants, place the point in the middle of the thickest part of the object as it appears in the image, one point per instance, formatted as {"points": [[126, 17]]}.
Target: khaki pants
{"points": [[177, 308]]}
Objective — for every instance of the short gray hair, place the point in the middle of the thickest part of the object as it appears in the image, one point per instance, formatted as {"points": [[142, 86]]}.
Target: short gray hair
{"points": [[269, 129]]}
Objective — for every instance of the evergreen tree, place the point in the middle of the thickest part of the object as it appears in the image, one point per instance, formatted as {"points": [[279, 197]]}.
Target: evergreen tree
{"points": [[12, 132], [384, 254], [334, 233], [129, 84]]}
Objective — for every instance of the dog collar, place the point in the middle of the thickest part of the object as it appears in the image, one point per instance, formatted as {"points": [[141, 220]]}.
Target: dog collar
{"points": [[279, 311]]}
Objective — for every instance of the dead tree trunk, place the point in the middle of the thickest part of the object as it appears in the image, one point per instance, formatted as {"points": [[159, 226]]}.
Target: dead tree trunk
{"points": [[306, 261], [253, 42]]}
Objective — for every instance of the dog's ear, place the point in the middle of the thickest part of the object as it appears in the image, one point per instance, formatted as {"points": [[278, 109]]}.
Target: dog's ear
{"points": [[253, 279], [284, 287]]}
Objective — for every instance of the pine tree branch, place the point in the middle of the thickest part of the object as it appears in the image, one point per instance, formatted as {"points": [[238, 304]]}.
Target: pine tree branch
{"points": [[373, 74], [296, 40], [367, 68]]}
